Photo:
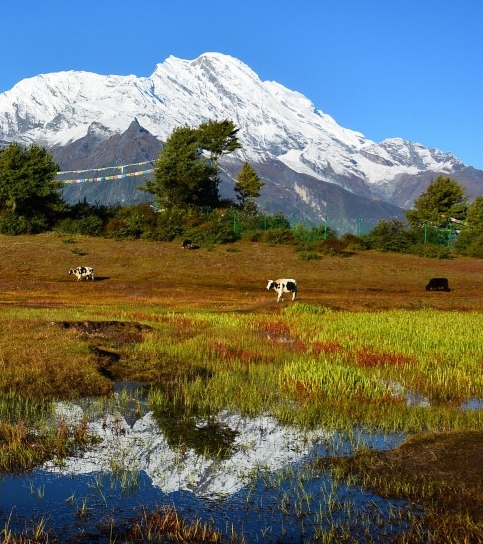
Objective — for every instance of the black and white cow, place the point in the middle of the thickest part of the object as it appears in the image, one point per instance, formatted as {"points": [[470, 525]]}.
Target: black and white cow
{"points": [[283, 286], [438, 284], [187, 244], [83, 272]]}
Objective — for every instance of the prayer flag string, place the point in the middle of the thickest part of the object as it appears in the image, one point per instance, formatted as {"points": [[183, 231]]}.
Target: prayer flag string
{"points": [[108, 178], [121, 167]]}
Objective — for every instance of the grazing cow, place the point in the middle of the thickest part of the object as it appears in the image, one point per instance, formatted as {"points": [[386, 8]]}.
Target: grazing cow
{"points": [[186, 244], [283, 286], [83, 272], [438, 284]]}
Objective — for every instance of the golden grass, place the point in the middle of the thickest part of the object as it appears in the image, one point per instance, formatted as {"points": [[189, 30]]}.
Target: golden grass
{"points": [[34, 273], [40, 363]]}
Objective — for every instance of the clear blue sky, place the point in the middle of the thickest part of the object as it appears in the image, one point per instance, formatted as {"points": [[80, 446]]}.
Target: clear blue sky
{"points": [[410, 69]]}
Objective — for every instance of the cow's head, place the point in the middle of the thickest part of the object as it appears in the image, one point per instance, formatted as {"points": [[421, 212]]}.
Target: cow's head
{"points": [[272, 285]]}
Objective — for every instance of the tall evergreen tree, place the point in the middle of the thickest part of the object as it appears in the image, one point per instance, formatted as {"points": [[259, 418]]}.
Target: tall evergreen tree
{"points": [[184, 177], [218, 138], [470, 235], [247, 187], [474, 216], [27, 182], [443, 199]]}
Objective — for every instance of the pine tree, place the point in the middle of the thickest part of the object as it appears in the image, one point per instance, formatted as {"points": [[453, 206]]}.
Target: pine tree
{"points": [[218, 138], [444, 199], [474, 216], [184, 177], [247, 187], [27, 182]]}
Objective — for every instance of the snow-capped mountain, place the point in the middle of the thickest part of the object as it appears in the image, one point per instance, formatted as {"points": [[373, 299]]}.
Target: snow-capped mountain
{"points": [[312, 167]]}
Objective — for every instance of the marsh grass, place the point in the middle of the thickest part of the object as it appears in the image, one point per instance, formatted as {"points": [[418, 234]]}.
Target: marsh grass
{"points": [[440, 471], [165, 524], [349, 354], [26, 443]]}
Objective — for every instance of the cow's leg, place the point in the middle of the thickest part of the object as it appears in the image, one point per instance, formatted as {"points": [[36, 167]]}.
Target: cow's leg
{"points": [[280, 295], [294, 294]]}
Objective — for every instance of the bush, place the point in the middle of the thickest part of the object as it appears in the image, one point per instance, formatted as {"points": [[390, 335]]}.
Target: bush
{"points": [[13, 225], [277, 221], [353, 242], [212, 232], [253, 235], [132, 222], [432, 251], [304, 235], [332, 247], [279, 236], [390, 236], [90, 226], [470, 246], [169, 225]]}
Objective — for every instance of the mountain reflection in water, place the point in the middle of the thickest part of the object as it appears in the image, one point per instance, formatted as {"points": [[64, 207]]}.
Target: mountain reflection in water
{"points": [[261, 466]]}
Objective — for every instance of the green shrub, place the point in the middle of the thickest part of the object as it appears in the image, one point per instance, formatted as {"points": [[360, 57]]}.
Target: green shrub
{"points": [[132, 222], [475, 251], [277, 221], [390, 235], [303, 234], [252, 235], [469, 244], [432, 251], [332, 247], [216, 229], [353, 241], [89, 226], [278, 236], [14, 225]]}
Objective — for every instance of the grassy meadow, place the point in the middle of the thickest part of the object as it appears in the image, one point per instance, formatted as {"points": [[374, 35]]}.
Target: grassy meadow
{"points": [[363, 347]]}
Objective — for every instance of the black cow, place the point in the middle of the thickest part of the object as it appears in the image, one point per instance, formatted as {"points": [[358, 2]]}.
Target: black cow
{"points": [[438, 284]]}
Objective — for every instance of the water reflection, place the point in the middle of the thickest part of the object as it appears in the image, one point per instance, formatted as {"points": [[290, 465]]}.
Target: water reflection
{"points": [[262, 485], [255, 442]]}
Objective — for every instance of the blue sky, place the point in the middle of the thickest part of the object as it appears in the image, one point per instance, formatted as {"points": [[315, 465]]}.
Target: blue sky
{"points": [[410, 69]]}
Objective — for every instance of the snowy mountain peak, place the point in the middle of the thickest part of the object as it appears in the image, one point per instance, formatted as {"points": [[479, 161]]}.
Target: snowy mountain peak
{"points": [[275, 123]]}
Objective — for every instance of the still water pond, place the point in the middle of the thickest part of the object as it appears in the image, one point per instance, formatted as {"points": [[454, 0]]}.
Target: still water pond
{"points": [[261, 484]]}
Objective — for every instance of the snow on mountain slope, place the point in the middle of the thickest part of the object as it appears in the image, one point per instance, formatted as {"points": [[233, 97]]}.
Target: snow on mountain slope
{"points": [[274, 122]]}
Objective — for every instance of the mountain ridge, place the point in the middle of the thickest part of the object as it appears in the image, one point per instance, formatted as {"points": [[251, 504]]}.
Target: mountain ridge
{"points": [[280, 130]]}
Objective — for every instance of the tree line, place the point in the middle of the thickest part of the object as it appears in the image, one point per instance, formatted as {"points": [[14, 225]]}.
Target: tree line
{"points": [[187, 203]]}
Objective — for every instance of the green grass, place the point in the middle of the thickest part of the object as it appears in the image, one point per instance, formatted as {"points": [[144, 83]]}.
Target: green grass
{"points": [[203, 331]]}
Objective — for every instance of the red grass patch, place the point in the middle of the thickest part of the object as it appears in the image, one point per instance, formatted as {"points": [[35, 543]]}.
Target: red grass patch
{"points": [[371, 359], [327, 347], [275, 328], [229, 353]]}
